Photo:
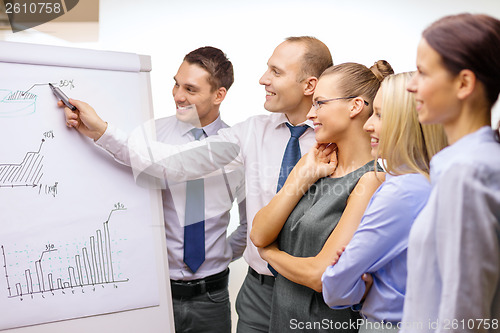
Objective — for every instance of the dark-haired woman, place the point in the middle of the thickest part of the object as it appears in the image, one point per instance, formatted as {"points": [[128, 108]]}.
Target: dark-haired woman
{"points": [[454, 248]]}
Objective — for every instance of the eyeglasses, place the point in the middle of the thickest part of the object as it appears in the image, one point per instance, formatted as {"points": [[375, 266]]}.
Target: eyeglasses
{"points": [[318, 104]]}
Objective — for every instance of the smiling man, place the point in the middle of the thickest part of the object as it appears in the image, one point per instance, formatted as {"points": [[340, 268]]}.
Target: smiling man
{"points": [[259, 145], [198, 250]]}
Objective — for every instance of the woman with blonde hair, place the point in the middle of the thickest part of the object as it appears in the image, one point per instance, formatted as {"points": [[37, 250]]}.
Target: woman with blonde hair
{"points": [[321, 203], [379, 246]]}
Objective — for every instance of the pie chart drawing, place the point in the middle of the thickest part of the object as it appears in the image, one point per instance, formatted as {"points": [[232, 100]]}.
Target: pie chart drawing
{"points": [[16, 104]]}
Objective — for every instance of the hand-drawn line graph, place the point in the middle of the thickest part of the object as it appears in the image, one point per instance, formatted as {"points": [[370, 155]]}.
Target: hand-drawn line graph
{"points": [[29, 172], [89, 269], [25, 174], [16, 104]]}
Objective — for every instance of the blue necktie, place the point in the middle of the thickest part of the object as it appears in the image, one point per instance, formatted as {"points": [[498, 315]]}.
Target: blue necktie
{"points": [[292, 153], [291, 156], [194, 228]]}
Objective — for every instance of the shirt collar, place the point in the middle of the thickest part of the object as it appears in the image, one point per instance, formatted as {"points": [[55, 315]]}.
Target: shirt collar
{"points": [[210, 129], [281, 120], [459, 151]]}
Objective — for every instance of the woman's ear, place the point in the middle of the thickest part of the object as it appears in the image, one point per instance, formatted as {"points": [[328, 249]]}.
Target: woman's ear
{"points": [[357, 105], [466, 83]]}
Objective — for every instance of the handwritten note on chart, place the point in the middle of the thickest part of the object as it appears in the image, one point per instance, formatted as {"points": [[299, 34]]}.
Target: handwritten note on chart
{"points": [[76, 235]]}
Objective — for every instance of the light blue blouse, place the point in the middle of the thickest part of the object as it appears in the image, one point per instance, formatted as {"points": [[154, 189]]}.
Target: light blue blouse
{"points": [[454, 249], [379, 247]]}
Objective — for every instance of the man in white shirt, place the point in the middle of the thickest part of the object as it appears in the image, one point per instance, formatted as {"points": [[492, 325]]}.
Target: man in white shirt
{"points": [[200, 290], [257, 144], [200, 295]]}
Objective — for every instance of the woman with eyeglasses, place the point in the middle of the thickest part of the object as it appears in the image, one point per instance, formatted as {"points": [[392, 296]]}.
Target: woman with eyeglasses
{"points": [[379, 246], [454, 247], [321, 203]]}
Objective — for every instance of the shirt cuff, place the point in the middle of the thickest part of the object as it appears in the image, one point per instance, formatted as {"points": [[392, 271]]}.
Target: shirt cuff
{"points": [[113, 140]]}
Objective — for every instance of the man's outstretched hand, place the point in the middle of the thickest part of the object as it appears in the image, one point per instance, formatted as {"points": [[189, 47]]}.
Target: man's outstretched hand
{"points": [[85, 120]]}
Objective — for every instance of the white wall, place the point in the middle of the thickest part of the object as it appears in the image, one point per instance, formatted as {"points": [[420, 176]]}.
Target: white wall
{"points": [[361, 31]]}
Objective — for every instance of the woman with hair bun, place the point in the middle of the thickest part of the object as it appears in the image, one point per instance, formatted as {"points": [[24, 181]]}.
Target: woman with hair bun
{"points": [[379, 246], [454, 247], [320, 206], [381, 69]]}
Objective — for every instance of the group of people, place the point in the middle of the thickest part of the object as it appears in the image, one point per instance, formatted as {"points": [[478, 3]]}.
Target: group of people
{"points": [[369, 201]]}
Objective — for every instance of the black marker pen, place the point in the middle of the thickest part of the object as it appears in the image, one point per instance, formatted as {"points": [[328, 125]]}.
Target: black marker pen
{"points": [[59, 94]]}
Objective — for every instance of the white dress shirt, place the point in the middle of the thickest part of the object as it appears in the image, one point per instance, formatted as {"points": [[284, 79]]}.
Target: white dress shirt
{"points": [[454, 248], [257, 145], [220, 192]]}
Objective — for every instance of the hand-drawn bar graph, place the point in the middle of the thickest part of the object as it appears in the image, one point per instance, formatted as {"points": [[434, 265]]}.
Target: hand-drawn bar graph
{"points": [[94, 266], [19, 96], [27, 173]]}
